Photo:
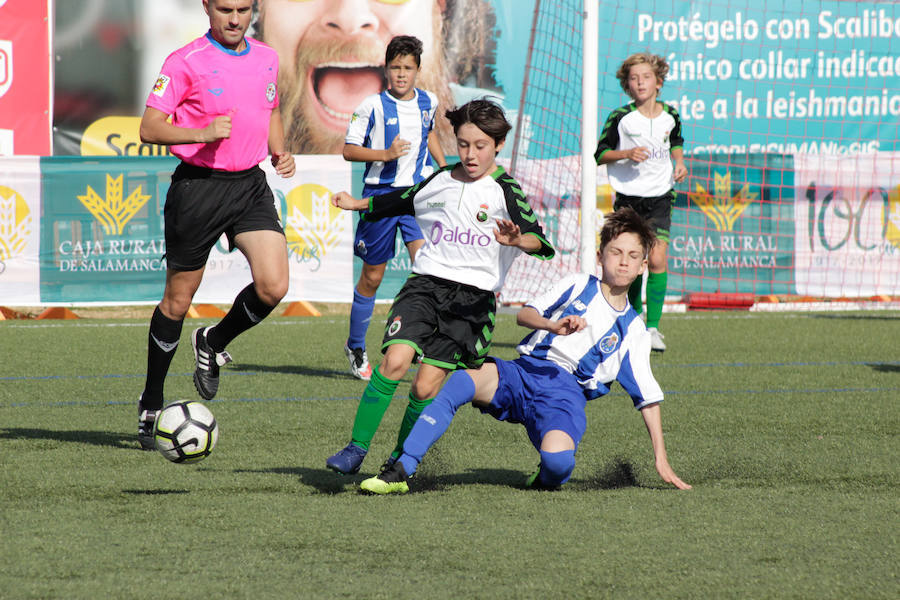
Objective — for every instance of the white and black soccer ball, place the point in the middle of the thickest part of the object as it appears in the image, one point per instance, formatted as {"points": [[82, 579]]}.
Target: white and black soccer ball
{"points": [[186, 431]]}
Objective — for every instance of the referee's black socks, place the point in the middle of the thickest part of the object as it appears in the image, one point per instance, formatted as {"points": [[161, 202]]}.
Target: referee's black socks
{"points": [[247, 311], [162, 341]]}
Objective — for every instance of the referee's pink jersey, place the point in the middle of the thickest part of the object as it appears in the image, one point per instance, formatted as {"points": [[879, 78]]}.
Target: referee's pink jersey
{"points": [[203, 80]]}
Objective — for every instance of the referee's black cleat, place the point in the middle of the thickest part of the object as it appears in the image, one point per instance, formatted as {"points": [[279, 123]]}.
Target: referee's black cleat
{"points": [[206, 372], [146, 421]]}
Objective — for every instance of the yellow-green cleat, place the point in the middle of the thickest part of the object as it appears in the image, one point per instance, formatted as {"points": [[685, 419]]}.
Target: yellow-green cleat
{"points": [[534, 482], [391, 481]]}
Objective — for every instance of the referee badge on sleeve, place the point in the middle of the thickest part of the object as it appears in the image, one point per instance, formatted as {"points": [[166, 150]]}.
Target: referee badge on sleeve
{"points": [[162, 82], [270, 92]]}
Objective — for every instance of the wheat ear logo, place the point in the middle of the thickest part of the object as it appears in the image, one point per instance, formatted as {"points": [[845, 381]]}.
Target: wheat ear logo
{"points": [[15, 223], [112, 211], [311, 223], [722, 208]]}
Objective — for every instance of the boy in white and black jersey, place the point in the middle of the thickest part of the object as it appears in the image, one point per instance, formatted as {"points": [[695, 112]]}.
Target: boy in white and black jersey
{"points": [[638, 145], [475, 220], [586, 335]]}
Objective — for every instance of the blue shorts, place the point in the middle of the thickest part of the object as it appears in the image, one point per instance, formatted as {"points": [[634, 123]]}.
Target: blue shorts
{"points": [[539, 395], [375, 241]]}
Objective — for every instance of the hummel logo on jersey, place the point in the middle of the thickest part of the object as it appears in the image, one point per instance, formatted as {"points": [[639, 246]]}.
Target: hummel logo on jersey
{"points": [[392, 121], [164, 346]]}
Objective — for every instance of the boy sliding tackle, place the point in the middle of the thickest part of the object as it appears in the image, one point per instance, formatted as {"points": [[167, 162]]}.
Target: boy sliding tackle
{"points": [[638, 144], [586, 335], [475, 220]]}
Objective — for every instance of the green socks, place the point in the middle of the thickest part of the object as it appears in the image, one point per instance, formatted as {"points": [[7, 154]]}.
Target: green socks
{"points": [[374, 402], [413, 410], [656, 296], [634, 294]]}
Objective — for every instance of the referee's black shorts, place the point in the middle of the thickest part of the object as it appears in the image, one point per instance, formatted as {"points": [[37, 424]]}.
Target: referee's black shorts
{"points": [[203, 203], [657, 210], [450, 324]]}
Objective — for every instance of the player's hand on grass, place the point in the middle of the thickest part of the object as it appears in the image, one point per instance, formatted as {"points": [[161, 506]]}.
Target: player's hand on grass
{"points": [[669, 476], [507, 233], [568, 324], [219, 129], [639, 154], [398, 148], [284, 164]]}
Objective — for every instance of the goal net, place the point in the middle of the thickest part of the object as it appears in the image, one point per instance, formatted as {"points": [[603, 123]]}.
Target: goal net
{"points": [[791, 118]]}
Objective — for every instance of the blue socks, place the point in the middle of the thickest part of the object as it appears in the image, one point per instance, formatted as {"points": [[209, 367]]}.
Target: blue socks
{"points": [[435, 419], [556, 467], [360, 315]]}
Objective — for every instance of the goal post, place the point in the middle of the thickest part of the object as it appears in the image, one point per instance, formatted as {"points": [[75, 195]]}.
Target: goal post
{"points": [[589, 128]]}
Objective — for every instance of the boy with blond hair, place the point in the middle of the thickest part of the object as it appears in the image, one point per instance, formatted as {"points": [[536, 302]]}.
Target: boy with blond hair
{"points": [[638, 145]]}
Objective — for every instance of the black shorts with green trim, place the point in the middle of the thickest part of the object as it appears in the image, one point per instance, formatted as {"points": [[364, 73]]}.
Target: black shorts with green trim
{"points": [[449, 324], [657, 210]]}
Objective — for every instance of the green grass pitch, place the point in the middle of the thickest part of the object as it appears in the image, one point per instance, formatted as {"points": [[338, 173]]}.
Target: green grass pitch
{"points": [[785, 424]]}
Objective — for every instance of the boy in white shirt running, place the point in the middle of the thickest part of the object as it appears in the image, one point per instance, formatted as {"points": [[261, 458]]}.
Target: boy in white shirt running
{"points": [[638, 145]]}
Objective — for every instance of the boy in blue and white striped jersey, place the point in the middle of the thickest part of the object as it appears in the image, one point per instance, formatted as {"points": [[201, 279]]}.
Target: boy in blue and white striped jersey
{"points": [[586, 335], [393, 133]]}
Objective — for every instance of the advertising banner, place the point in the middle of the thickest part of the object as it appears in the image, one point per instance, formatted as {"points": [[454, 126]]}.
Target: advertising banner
{"points": [[847, 214], [25, 77], [102, 238], [734, 232], [20, 222], [805, 78]]}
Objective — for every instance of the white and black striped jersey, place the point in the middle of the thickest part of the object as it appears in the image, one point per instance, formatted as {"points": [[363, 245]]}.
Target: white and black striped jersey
{"points": [[457, 219], [627, 128]]}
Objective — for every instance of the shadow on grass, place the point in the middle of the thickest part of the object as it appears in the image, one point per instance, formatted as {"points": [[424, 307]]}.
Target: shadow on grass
{"points": [[154, 492], [615, 475], [432, 477], [97, 438], [324, 481], [885, 367], [861, 316], [289, 370]]}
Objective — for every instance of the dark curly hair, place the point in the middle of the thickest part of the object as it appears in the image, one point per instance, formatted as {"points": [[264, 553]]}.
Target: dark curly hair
{"points": [[485, 115]]}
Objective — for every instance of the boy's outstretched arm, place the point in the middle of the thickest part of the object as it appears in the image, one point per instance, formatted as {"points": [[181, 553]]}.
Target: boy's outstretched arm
{"points": [[347, 202], [653, 421], [529, 317]]}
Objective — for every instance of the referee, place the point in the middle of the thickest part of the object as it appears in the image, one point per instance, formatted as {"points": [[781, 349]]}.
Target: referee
{"points": [[220, 92]]}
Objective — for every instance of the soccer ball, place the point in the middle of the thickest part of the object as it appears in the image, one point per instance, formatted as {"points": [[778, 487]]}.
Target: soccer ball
{"points": [[186, 432]]}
